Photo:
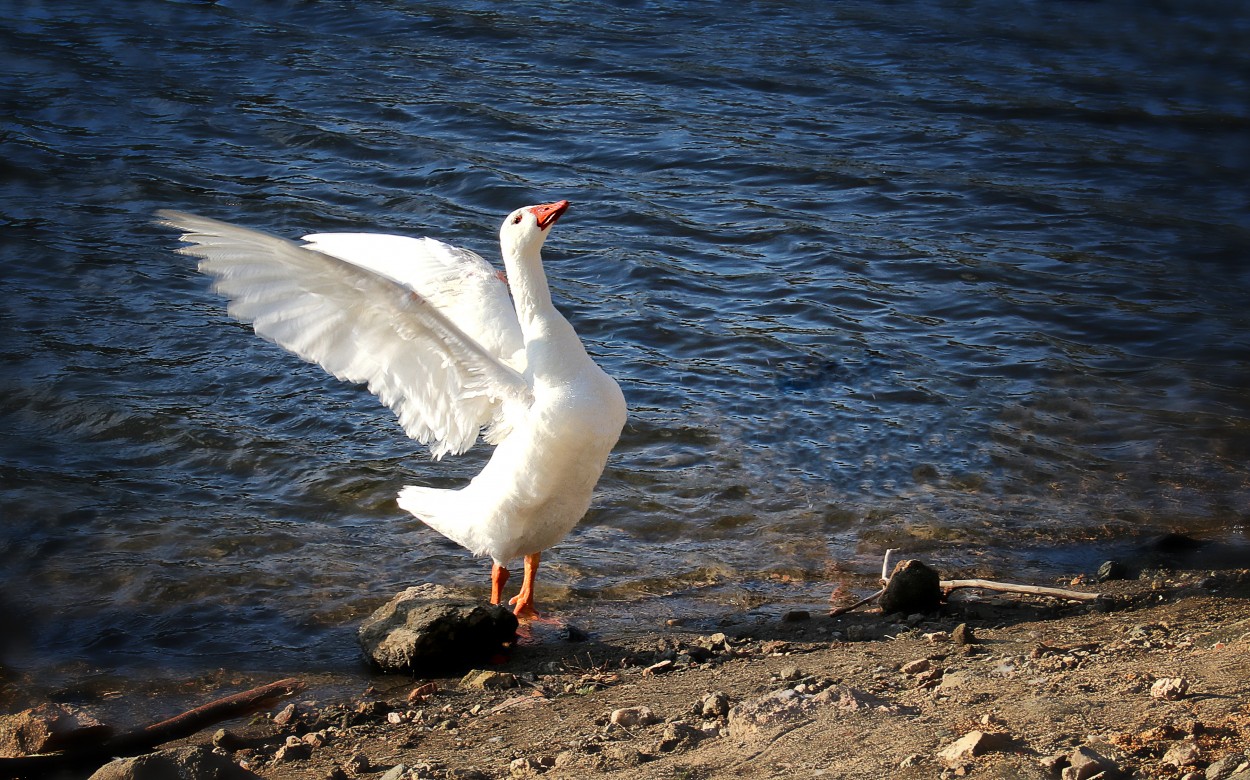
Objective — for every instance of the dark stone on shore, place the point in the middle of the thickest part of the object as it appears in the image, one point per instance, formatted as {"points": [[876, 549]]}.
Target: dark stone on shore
{"points": [[429, 628], [1112, 570], [190, 763], [914, 587]]}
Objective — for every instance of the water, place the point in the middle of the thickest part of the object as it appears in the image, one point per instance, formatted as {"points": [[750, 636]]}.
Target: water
{"points": [[965, 278]]}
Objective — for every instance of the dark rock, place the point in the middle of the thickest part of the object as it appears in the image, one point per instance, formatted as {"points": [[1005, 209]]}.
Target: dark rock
{"points": [[913, 587], [190, 763], [428, 627], [962, 635], [1112, 570], [796, 616]]}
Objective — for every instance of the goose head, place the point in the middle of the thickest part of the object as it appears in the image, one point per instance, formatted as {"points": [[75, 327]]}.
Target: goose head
{"points": [[524, 230]]}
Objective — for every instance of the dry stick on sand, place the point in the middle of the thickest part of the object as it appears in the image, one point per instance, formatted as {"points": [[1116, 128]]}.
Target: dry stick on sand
{"points": [[141, 740], [949, 585]]}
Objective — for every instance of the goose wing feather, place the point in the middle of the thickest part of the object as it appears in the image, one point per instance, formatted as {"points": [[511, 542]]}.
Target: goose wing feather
{"points": [[365, 325]]}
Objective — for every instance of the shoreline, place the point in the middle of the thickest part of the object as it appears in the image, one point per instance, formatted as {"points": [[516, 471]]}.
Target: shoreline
{"points": [[1039, 685]]}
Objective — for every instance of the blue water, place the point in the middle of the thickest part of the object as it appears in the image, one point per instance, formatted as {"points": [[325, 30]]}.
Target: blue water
{"points": [[965, 278]]}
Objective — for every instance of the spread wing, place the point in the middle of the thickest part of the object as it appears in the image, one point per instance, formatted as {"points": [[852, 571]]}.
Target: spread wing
{"points": [[369, 325]]}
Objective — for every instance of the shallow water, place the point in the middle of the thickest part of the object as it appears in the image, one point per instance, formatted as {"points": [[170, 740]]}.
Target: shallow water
{"points": [[963, 278]]}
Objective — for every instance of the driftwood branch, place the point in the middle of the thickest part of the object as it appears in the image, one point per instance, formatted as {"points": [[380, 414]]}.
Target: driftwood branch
{"points": [[1011, 587], [144, 739]]}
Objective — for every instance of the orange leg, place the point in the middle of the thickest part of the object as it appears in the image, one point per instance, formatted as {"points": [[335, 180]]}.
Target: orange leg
{"points": [[498, 578], [524, 601]]}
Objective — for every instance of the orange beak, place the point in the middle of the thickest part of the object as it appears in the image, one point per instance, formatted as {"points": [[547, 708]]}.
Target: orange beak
{"points": [[548, 213]]}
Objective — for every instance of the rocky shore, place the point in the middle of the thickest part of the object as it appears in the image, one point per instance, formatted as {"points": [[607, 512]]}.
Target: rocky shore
{"points": [[1152, 683]]}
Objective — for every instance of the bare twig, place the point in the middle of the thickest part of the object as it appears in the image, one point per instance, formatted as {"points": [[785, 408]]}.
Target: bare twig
{"points": [[856, 605]]}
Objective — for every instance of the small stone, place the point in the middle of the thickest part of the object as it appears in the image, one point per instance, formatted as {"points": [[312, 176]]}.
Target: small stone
{"points": [[715, 705], [1182, 754], [396, 772], [937, 637], [527, 766], [972, 744], [359, 764], [394, 718], [285, 715], [422, 693], [914, 759], [796, 616], [962, 635], [790, 674], [293, 752], [915, 667], [572, 633], [1085, 762], [485, 680], [316, 739], [633, 717], [1169, 688], [658, 668]]}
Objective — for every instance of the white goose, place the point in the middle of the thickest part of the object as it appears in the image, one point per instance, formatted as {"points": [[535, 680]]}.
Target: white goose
{"points": [[431, 330]]}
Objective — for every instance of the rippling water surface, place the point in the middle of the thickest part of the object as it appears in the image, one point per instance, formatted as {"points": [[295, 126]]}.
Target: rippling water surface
{"points": [[965, 278]]}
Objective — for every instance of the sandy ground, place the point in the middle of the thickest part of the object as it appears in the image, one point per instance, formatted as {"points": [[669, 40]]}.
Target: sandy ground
{"points": [[858, 696]]}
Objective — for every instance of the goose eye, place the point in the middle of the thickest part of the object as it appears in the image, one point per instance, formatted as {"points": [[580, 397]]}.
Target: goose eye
{"points": [[516, 220]]}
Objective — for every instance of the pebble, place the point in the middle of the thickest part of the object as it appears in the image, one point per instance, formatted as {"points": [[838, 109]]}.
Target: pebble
{"points": [[285, 715], [963, 635], [293, 751], [1085, 762], [915, 667], [396, 772], [484, 680], [359, 764], [796, 616], [633, 717], [1182, 754], [714, 705], [524, 767], [1169, 688], [972, 744]]}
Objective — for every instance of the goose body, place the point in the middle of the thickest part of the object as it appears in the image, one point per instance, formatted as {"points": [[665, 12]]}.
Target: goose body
{"points": [[456, 351]]}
